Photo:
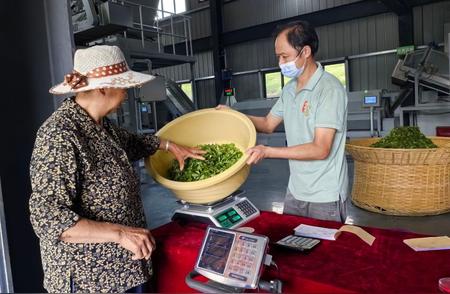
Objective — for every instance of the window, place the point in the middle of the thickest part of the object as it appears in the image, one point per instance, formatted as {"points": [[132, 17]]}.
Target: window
{"points": [[275, 81], [173, 6], [187, 89], [286, 80], [273, 84], [338, 70]]}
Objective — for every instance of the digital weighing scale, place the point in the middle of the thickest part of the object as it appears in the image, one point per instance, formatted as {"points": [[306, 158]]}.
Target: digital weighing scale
{"points": [[230, 212], [232, 261]]}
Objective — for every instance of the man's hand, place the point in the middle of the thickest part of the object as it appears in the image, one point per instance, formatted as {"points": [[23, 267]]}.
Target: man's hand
{"points": [[256, 154], [137, 240], [221, 106]]}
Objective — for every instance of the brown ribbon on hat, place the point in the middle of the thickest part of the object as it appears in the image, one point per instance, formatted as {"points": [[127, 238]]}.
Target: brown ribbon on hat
{"points": [[77, 80]]}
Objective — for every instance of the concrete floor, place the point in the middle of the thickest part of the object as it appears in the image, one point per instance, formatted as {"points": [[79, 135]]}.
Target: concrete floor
{"points": [[266, 186]]}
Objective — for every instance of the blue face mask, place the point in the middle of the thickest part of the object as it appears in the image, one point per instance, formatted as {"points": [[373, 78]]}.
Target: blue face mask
{"points": [[290, 69]]}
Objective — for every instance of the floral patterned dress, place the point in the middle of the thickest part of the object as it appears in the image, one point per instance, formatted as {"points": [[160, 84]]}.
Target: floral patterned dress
{"points": [[80, 169]]}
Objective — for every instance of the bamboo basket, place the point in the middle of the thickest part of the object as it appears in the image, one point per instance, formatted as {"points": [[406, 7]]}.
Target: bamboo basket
{"points": [[410, 182]]}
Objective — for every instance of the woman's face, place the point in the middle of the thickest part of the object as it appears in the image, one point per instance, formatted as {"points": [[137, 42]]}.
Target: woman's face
{"points": [[116, 97]]}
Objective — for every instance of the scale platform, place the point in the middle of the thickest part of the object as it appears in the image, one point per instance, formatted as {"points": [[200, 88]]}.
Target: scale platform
{"points": [[230, 213]]}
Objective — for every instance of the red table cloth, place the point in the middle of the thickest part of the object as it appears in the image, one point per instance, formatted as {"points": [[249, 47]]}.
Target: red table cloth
{"points": [[345, 265]]}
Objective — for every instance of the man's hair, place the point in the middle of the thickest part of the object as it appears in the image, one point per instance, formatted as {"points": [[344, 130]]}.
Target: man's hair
{"points": [[299, 34]]}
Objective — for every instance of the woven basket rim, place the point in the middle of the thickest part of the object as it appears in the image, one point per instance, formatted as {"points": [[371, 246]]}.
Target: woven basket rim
{"points": [[349, 144]]}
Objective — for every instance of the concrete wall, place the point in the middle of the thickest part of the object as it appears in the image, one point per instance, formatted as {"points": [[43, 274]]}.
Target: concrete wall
{"points": [[25, 104]]}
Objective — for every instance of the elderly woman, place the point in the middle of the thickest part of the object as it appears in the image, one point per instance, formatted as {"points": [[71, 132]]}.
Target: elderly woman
{"points": [[85, 205]]}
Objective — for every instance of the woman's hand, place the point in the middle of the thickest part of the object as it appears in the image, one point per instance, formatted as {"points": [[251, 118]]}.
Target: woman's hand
{"points": [[137, 240], [182, 153]]}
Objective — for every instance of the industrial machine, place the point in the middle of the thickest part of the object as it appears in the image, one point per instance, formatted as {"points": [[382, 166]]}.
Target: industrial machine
{"points": [[145, 39], [425, 89], [83, 15], [424, 78], [369, 111], [177, 103], [366, 112], [156, 103], [146, 98], [425, 74], [96, 19]]}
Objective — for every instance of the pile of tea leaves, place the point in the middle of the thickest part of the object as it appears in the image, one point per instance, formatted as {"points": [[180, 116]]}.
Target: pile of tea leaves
{"points": [[405, 138], [218, 158]]}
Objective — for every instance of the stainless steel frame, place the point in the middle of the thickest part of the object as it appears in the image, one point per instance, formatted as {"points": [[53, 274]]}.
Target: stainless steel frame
{"points": [[156, 26], [6, 283]]}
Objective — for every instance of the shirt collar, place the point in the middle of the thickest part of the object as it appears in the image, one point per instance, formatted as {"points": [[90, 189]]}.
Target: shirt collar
{"points": [[311, 84], [80, 115]]}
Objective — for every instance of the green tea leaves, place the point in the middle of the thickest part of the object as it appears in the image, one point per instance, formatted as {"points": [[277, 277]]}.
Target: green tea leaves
{"points": [[405, 138], [218, 158]]}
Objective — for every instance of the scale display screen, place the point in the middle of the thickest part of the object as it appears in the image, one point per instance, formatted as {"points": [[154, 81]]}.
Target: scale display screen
{"points": [[228, 92], [216, 251], [370, 100], [228, 218]]}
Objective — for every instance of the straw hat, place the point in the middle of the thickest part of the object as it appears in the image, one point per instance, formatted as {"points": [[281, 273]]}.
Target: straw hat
{"points": [[100, 67]]}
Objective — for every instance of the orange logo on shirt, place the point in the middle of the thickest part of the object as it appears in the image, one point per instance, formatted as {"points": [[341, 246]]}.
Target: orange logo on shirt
{"points": [[305, 108]]}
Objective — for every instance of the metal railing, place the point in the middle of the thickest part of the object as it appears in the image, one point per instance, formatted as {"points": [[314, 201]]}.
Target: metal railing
{"points": [[168, 31]]}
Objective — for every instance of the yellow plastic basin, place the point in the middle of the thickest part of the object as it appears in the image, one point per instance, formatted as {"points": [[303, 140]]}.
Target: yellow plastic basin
{"points": [[207, 126]]}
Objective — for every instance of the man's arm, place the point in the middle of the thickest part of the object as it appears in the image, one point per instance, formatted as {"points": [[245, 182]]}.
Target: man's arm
{"points": [[263, 124], [266, 124], [319, 149]]}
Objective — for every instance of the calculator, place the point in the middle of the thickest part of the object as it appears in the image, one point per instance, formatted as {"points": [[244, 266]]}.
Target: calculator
{"points": [[297, 242]]}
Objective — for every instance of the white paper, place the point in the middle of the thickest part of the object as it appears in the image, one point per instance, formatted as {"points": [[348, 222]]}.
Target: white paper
{"points": [[332, 234], [429, 243], [316, 232]]}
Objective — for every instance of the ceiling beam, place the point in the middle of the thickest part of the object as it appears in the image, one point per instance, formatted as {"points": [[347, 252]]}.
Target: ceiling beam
{"points": [[404, 18], [348, 12], [399, 7]]}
